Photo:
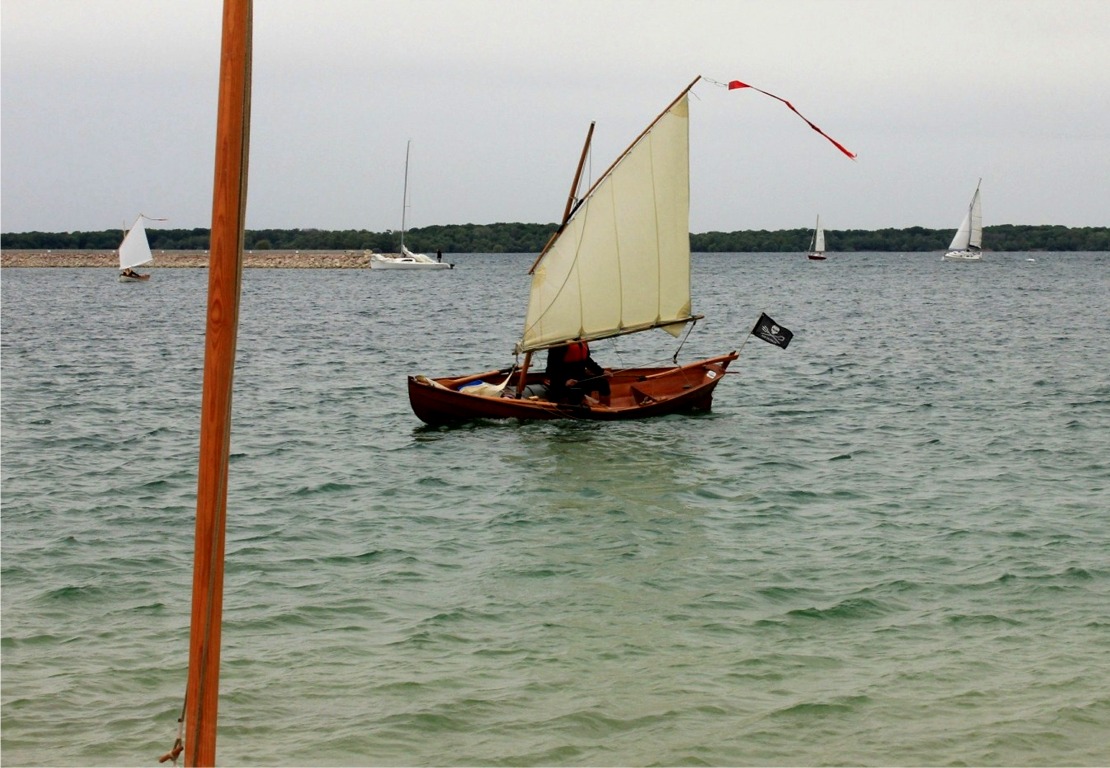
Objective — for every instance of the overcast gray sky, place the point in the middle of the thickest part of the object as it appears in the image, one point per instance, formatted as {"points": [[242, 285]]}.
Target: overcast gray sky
{"points": [[108, 109]]}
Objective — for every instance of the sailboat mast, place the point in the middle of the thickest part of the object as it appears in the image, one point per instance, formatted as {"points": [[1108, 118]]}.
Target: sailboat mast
{"points": [[578, 173], [405, 195], [975, 235], [572, 196], [229, 201], [643, 133]]}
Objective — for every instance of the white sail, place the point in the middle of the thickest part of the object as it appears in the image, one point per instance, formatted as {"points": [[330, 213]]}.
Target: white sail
{"points": [[135, 250], [622, 261], [970, 234], [422, 258], [818, 245]]}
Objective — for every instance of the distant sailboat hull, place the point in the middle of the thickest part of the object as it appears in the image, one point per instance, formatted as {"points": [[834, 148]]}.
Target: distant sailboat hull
{"points": [[635, 393], [135, 278], [816, 257], [402, 263], [406, 260], [962, 256]]}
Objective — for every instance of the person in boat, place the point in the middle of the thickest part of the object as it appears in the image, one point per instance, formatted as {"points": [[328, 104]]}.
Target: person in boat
{"points": [[572, 375], [129, 273], [439, 255]]}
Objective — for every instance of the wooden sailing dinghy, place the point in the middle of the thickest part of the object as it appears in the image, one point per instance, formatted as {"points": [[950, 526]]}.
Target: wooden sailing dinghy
{"points": [[618, 264]]}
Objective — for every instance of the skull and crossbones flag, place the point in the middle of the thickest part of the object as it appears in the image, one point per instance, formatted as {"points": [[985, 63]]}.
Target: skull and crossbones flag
{"points": [[771, 332]]}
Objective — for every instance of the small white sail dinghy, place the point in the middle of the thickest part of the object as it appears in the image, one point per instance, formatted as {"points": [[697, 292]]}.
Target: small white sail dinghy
{"points": [[967, 245], [817, 244], [134, 251], [407, 259]]}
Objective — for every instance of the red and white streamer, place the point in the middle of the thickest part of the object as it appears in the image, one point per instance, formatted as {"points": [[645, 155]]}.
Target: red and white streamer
{"points": [[737, 84]]}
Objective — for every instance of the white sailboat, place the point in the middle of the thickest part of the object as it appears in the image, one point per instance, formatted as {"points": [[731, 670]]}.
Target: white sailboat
{"points": [[407, 259], [817, 244], [967, 245], [134, 251]]}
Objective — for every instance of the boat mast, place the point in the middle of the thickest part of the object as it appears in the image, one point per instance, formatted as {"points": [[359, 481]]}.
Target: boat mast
{"points": [[971, 218], [405, 194], [522, 380], [229, 201], [572, 197]]}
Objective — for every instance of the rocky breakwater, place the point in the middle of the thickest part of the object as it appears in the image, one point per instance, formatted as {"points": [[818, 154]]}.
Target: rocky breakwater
{"points": [[190, 259]]}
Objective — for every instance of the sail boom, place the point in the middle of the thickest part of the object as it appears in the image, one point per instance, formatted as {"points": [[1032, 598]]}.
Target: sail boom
{"points": [[674, 327]]}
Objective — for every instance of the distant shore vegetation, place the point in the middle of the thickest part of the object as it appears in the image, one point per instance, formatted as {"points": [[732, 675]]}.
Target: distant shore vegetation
{"points": [[531, 238]]}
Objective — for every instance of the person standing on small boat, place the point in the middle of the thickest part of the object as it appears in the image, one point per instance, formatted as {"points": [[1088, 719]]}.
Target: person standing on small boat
{"points": [[572, 374]]}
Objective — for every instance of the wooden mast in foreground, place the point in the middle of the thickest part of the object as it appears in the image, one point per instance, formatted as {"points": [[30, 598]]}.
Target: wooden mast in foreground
{"points": [[229, 202]]}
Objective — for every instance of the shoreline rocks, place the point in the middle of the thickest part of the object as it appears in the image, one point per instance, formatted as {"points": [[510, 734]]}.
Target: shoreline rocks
{"points": [[189, 259]]}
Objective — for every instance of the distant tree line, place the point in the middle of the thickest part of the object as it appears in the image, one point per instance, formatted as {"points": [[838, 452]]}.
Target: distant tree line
{"points": [[1005, 237], [531, 238]]}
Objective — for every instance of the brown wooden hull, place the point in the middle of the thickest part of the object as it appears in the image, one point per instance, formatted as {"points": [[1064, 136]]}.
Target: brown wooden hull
{"points": [[635, 393]]}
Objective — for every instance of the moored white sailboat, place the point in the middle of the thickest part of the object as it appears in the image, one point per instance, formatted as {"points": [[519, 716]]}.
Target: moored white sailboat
{"points": [[407, 259], [967, 245], [817, 244]]}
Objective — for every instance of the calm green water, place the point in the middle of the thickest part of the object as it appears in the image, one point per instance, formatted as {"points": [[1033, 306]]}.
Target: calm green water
{"points": [[887, 545]]}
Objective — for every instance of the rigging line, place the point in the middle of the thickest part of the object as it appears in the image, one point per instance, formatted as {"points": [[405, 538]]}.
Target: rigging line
{"points": [[179, 742], [750, 332], [685, 336], [622, 367]]}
